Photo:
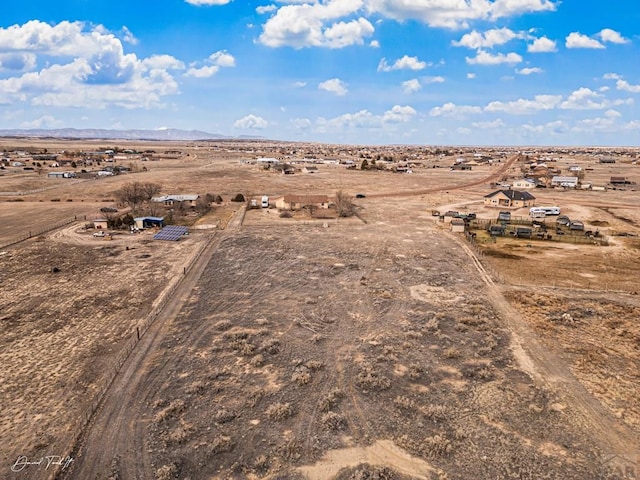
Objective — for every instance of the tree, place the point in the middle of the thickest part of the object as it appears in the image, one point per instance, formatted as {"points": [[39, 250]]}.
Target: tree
{"points": [[344, 205], [135, 193]]}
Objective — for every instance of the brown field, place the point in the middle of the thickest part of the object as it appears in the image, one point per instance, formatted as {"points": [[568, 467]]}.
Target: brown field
{"points": [[380, 346]]}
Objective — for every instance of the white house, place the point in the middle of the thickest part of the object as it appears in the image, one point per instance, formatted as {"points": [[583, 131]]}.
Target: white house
{"points": [[525, 184], [566, 182]]}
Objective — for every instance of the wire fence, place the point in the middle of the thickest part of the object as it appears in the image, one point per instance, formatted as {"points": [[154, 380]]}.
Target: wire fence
{"points": [[37, 233], [85, 417]]}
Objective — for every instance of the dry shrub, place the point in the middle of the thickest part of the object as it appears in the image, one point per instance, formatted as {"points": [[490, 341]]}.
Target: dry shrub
{"points": [[196, 387], [224, 416], [290, 450], [436, 412], [333, 421], [415, 371], [223, 325], [179, 434], [257, 361], [432, 325], [261, 464], [367, 472], [404, 403], [369, 379], [314, 364], [301, 376], [437, 446], [221, 444], [451, 352], [166, 413], [271, 346], [167, 472], [279, 411], [330, 400]]}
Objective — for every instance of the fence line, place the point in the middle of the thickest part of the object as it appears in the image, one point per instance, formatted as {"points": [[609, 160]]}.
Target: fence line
{"points": [[37, 233], [85, 418]]}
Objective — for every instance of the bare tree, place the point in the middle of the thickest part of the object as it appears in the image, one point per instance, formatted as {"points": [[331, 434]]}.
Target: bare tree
{"points": [[135, 193], [344, 204]]}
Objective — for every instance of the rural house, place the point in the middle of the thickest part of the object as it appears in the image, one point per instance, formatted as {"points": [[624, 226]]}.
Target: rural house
{"points": [[525, 183], [509, 198], [566, 182], [296, 202], [170, 200]]}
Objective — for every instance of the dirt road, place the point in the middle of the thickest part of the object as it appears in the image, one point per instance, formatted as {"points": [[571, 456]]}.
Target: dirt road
{"points": [[612, 436]]}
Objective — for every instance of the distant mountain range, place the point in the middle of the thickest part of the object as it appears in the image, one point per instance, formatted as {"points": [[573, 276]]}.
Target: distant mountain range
{"points": [[102, 134]]}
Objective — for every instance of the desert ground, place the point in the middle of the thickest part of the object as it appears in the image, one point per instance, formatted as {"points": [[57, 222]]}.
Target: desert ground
{"points": [[378, 346]]}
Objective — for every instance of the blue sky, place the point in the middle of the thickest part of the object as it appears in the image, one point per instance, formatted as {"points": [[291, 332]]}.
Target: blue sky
{"points": [[435, 72]]}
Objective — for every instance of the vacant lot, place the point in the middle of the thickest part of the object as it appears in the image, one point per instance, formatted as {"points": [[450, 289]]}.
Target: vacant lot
{"points": [[370, 347]]}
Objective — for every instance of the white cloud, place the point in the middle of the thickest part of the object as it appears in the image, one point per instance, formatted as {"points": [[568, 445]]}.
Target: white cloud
{"points": [[529, 70], [497, 123], [578, 40], [300, 84], [411, 86], [451, 109], [611, 76], [334, 85], [399, 114], [200, 3], [404, 63], [374, 44], [46, 121], [223, 59], [542, 45], [202, 72], [361, 119], [86, 67], [612, 113], [471, 76], [627, 87], [17, 61], [524, 106], [611, 36], [364, 119], [215, 61], [316, 25], [251, 122], [455, 14], [485, 58], [301, 123], [266, 9], [584, 99], [437, 79], [488, 39], [128, 36]]}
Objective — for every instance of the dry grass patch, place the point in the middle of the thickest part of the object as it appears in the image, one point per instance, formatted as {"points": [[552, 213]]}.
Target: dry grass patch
{"points": [[279, 411]]}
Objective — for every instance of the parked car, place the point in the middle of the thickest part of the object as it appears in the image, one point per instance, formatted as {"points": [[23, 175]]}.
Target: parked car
{"points": [[101, 233], [360, 195]]}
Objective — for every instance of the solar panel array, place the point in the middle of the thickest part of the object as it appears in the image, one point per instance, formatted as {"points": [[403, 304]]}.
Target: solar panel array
{"points": [[171, 233]]}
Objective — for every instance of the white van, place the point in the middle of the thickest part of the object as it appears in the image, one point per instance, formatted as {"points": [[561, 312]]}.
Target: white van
{"points": [[265, 201]]}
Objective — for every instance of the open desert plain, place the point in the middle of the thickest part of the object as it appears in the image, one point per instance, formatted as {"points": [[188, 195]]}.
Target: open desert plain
{"points": [[343, 330]]}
